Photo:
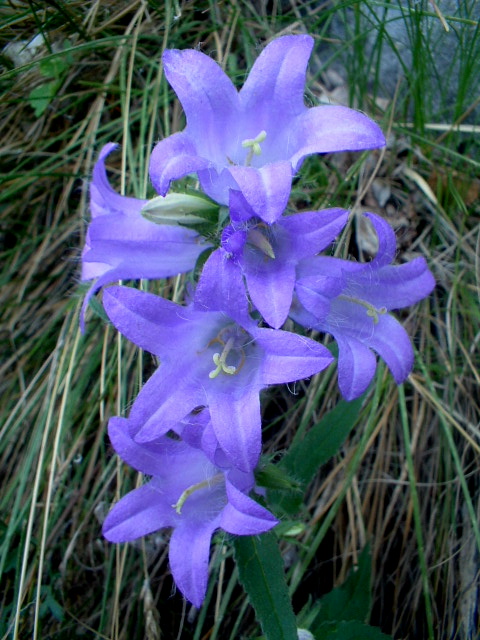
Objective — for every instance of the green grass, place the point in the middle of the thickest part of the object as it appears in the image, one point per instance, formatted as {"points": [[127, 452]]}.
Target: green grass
{"points": [[407, 479]]}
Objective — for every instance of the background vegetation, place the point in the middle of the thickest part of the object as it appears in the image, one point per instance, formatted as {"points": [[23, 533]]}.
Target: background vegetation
{"points": [[77, 74]]}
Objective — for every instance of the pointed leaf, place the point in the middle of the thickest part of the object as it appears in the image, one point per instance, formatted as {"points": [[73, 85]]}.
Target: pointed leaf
{"points": [[260, 568]]}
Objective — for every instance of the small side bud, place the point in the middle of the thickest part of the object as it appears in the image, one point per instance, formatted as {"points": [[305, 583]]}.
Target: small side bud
{"points": [[179, 208]]}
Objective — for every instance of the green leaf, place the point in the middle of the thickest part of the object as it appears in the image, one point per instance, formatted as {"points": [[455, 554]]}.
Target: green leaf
{"points": [[53, 67], [322, 441], [349, 630], [305, 457], [260, 569], [350, 601], [40, 97], [272, 476]]}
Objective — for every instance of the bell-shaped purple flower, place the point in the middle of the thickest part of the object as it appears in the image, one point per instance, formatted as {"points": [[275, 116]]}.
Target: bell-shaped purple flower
{"points": [[209, 360], [267, 256], [351, 301], [254, 140], [187, 492], [121, 244]]}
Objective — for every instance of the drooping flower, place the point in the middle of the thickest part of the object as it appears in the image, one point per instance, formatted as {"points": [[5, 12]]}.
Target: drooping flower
{"points": [[121, 244], [187, 492], [267, 256], [351, 301], [254, 140], [209, 359]]}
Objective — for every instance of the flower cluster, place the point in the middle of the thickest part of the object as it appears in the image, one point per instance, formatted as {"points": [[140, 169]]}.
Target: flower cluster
{"points": [[195, 426]]}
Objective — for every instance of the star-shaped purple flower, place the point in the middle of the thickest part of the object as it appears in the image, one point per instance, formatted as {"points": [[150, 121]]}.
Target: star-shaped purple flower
{"points": [[267, 256], [254, 140], [121, 244], [351, 300], [187, 492], [208, 359]]}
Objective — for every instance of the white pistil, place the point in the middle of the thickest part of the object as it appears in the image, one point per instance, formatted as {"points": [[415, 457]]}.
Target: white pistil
{"points": [[254, 145], [219, 359], [372, 312], [196, 487]]}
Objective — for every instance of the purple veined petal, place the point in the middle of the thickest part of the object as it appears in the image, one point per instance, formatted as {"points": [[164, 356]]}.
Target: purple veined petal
{"points": [[236, 420], [208, 97], [240, 210], [396, 286], [329, 129], [313, 231], [243, 516], [392, 343], [270, 284], [275, 85], [157, 325], [103, 199], [162, 250], [317, 303], [387, 243], [173, 158], [290, 357], [140, 512], [189, 554], [151, 460], [266, 189], [166, 398], [217, 183], [356, 366], [221, 287]]}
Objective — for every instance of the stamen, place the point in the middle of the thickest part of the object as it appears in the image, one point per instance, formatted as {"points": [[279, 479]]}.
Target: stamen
{"points": [[372, 312], [220, 361], [196, 487], [254, 145]]}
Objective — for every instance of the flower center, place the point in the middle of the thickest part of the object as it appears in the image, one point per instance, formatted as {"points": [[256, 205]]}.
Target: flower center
{"points": [[232, 340], [372, 311], [256, 238], [205, 484]]}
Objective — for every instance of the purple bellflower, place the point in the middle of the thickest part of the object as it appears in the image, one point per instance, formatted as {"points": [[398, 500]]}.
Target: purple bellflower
{"points": [[253, 140], [121, 244], [267, 256], [187, 492], [209, 359], [351, 301]]}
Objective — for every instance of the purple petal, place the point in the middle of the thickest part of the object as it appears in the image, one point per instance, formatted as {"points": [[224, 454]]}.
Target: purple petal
{"points": [[221, 287], [313, 231], [173, 158], [140, 512], [275, 86], [290, 357], [356, 366], [236, 420], [392, 343], [208, 97], [266, 189], [387, 243], [243, 516], [394, 287], [103, 199], [328, 129], [167, 397], [270, 284], [189, 553]]}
